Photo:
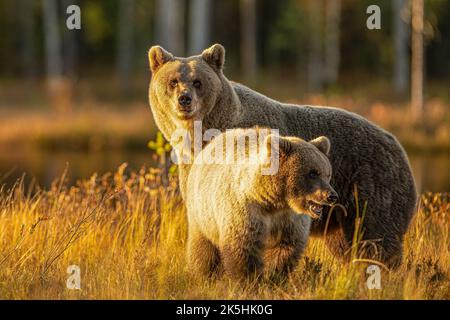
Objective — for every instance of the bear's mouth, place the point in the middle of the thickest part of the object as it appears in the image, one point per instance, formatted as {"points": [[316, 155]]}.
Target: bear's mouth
{"points": [[185, 115], [315, 209]]}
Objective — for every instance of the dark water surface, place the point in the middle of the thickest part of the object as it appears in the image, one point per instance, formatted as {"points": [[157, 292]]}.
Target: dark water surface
{"points": [[432, 171]]}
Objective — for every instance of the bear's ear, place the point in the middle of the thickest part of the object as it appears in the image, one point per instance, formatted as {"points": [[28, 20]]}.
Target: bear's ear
{"points": [[280, 144], [323, 144], [285, 146], [157, 56], [215, 56]]}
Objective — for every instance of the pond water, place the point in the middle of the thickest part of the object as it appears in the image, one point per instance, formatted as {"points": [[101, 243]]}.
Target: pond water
{"points": [[432, 171]]}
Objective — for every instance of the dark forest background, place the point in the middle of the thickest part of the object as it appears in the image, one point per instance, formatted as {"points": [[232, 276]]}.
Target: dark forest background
{"points": [[80, 96], [293, 38]]}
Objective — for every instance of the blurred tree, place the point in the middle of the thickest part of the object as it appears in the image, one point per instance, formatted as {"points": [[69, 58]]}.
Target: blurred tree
{"points": [[315, 63], [170, 24], [300, 39], [401, 41], [332, 49], [125, 45], [199, 29], [248, 39], [98, 21], [438, 47], [417, 58], [53, 51], [70, 44], [287, 36], [59, 89], [27, 44], [143, 22]]}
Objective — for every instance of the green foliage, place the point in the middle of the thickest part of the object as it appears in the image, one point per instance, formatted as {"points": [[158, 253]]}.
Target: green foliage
{"points": [[98, 24], [287, 33], [159, 145], [162, 149]]}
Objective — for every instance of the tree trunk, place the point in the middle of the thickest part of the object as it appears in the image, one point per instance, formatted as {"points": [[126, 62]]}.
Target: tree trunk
{"points": [[170, 24], [417, 59], [27, 45], [315, 64], [332, 52], [52, 39], [70, 45], [200, 15], [401, 38], [59, 89], [248, 39], [125, 49]]}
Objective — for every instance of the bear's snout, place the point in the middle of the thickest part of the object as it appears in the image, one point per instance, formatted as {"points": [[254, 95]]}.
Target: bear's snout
{"points": [[325, 196], [332, 197], [185, 100]]}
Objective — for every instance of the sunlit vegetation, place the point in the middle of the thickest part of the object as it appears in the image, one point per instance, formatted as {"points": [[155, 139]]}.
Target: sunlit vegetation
{"points": [[127, 233]]}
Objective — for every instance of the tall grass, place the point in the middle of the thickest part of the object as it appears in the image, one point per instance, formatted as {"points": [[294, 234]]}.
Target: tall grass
{"points": [[126, 232]]}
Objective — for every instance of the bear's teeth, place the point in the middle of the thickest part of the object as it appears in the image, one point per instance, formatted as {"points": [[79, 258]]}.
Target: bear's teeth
{"points": [[316, 208]]}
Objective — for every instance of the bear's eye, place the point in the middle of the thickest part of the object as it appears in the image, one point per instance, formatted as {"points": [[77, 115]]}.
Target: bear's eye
{"points": [[313, 174], [197, 84], [173, 83]]}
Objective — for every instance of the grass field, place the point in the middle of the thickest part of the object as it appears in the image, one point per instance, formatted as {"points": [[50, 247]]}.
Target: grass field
{"points": [[126, 231]]}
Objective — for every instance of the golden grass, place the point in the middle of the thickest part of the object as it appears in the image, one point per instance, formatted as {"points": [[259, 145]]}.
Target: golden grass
{"points": [[126, 231]]}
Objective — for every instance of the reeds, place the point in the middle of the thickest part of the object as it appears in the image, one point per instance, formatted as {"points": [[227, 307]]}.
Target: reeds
{"points": [[126, 231]]}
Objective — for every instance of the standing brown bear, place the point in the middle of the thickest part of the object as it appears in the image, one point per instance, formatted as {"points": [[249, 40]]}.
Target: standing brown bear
{"points": [[364, 156]]}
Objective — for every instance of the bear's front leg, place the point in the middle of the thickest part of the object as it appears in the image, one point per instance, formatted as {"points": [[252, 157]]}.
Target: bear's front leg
{"points": [[241, 250], [289, 237], [202, 255]]}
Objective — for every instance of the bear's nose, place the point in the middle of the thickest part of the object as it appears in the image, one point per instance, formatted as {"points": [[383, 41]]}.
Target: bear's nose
{"points": [[332, 197], [185, 99]]}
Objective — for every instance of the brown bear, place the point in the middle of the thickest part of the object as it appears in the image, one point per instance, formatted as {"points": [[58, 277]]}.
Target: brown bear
{"points": [[365, 157], [237, 210]]}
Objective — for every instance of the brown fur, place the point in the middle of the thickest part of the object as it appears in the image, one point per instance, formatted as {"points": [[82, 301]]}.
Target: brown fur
{"points": [[245, 222], [364, 156]]}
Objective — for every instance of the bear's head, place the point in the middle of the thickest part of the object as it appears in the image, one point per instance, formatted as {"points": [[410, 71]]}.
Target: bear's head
{"points": [[187, 88], [304, 173]]}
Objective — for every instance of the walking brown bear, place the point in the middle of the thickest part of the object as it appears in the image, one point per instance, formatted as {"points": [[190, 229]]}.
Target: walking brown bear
{"points": [[237, 209]]}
